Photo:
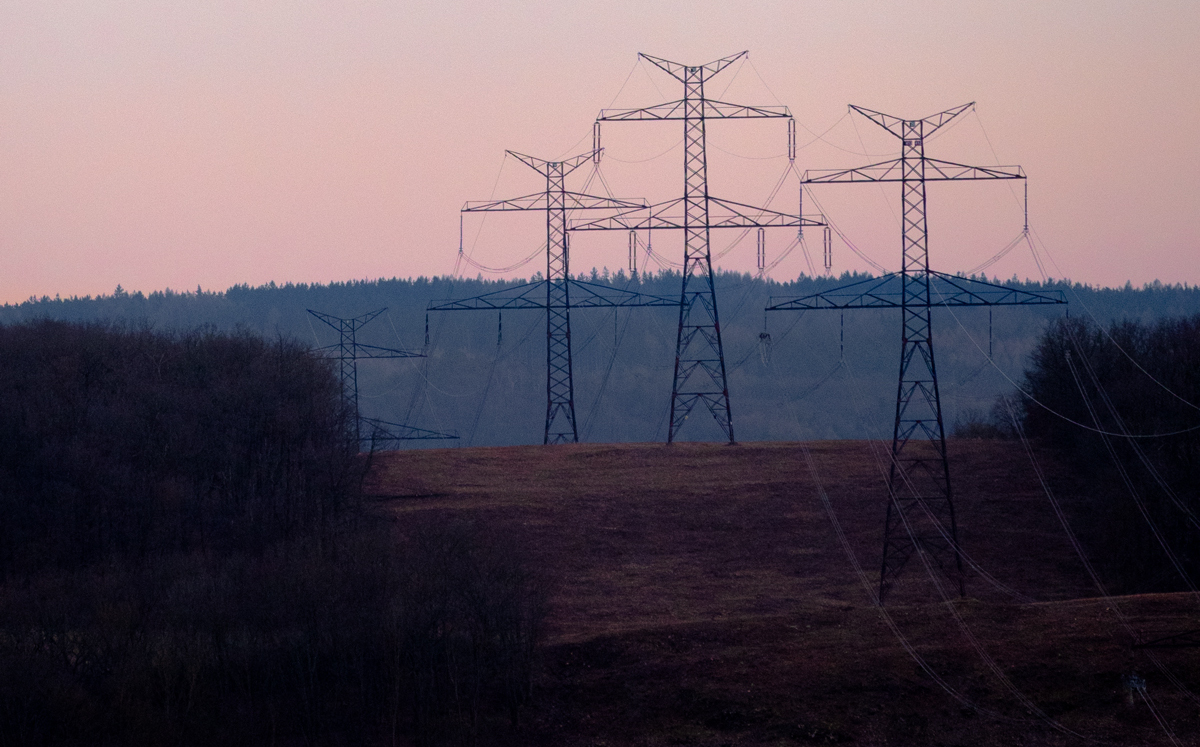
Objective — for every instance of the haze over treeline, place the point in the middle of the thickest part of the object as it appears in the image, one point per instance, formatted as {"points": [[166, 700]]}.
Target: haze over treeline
{"points": [[484, 376]]}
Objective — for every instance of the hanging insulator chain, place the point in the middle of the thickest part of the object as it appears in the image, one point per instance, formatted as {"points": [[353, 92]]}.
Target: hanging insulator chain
{"points": [[427, 329], [828, 249], [596, 143], [633, 252], [791, 139], [1026, 206], [762, 247], [800, 214], [499, 328]]}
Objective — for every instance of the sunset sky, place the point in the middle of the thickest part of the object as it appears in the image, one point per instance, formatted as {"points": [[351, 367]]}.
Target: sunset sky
{"points": [[183, 144]]}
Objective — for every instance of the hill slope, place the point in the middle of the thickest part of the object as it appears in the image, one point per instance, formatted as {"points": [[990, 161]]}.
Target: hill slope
{"points": [[701, 596]]}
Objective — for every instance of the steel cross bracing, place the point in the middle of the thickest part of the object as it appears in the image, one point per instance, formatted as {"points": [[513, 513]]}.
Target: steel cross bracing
{"points": [[919, 477], [556, 201], [699, 353], [348, 351]]}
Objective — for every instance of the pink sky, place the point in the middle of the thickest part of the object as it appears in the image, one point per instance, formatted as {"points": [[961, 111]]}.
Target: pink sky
{"points": [[171, 144]]}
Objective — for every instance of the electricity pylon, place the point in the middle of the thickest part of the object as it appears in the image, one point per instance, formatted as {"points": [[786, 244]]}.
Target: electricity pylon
{"points": [[348, 350], [556, 201], [699, 352], [919, 476]]}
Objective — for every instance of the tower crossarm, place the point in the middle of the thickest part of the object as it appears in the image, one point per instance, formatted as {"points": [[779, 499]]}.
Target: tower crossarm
{"points": [[672, 214], [680, 72], [676, 111], [725, 110], [375, 351], [894, 171], [339, 323], [524, 296], [595, 295], [886, 292], [570, 201], [730, 214], [533, 296], [381, 430], [908, 128], [556, 168], [947, 171], [348, 347]]}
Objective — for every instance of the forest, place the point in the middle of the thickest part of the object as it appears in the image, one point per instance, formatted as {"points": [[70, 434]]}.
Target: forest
{"points": [[792, 375], [187, 557]]}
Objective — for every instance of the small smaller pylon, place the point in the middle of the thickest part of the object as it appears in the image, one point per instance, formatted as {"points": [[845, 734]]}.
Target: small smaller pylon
{"points": [[348, 350]]}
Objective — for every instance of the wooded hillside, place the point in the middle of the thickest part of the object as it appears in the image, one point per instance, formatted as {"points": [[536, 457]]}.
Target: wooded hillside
{"points": [[488, 383]]}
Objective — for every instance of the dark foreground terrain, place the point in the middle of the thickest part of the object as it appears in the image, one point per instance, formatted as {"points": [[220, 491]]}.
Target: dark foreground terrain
{"points": [[701, 596]]}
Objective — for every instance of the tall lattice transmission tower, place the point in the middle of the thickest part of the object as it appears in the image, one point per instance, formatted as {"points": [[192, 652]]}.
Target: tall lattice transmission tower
{"points": [[920, 507], [561, 292], [700, 374]]}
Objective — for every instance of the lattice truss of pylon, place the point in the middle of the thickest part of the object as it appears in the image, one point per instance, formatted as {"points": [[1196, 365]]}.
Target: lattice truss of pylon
{"points": [[920, 507], [348, 351], [700, 375], [558, 293]]}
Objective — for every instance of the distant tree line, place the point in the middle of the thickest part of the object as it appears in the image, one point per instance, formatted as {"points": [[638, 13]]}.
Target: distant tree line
{"points": [[186, 558], [486, 379]]}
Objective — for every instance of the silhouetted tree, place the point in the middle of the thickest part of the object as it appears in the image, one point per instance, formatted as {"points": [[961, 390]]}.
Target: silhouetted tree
{"points": [[1139, 385]]}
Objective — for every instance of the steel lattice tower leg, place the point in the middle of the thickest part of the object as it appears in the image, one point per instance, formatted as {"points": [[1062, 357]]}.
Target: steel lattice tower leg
{"points": [[699, 354], [919, 470], [348, 367], [560, 393]]}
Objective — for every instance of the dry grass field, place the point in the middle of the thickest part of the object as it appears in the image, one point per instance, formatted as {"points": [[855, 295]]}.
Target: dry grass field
{"points": [[700, 596]]}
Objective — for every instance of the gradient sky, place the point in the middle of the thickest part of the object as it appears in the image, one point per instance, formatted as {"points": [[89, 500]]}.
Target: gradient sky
{"points": [[176, 144]]}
